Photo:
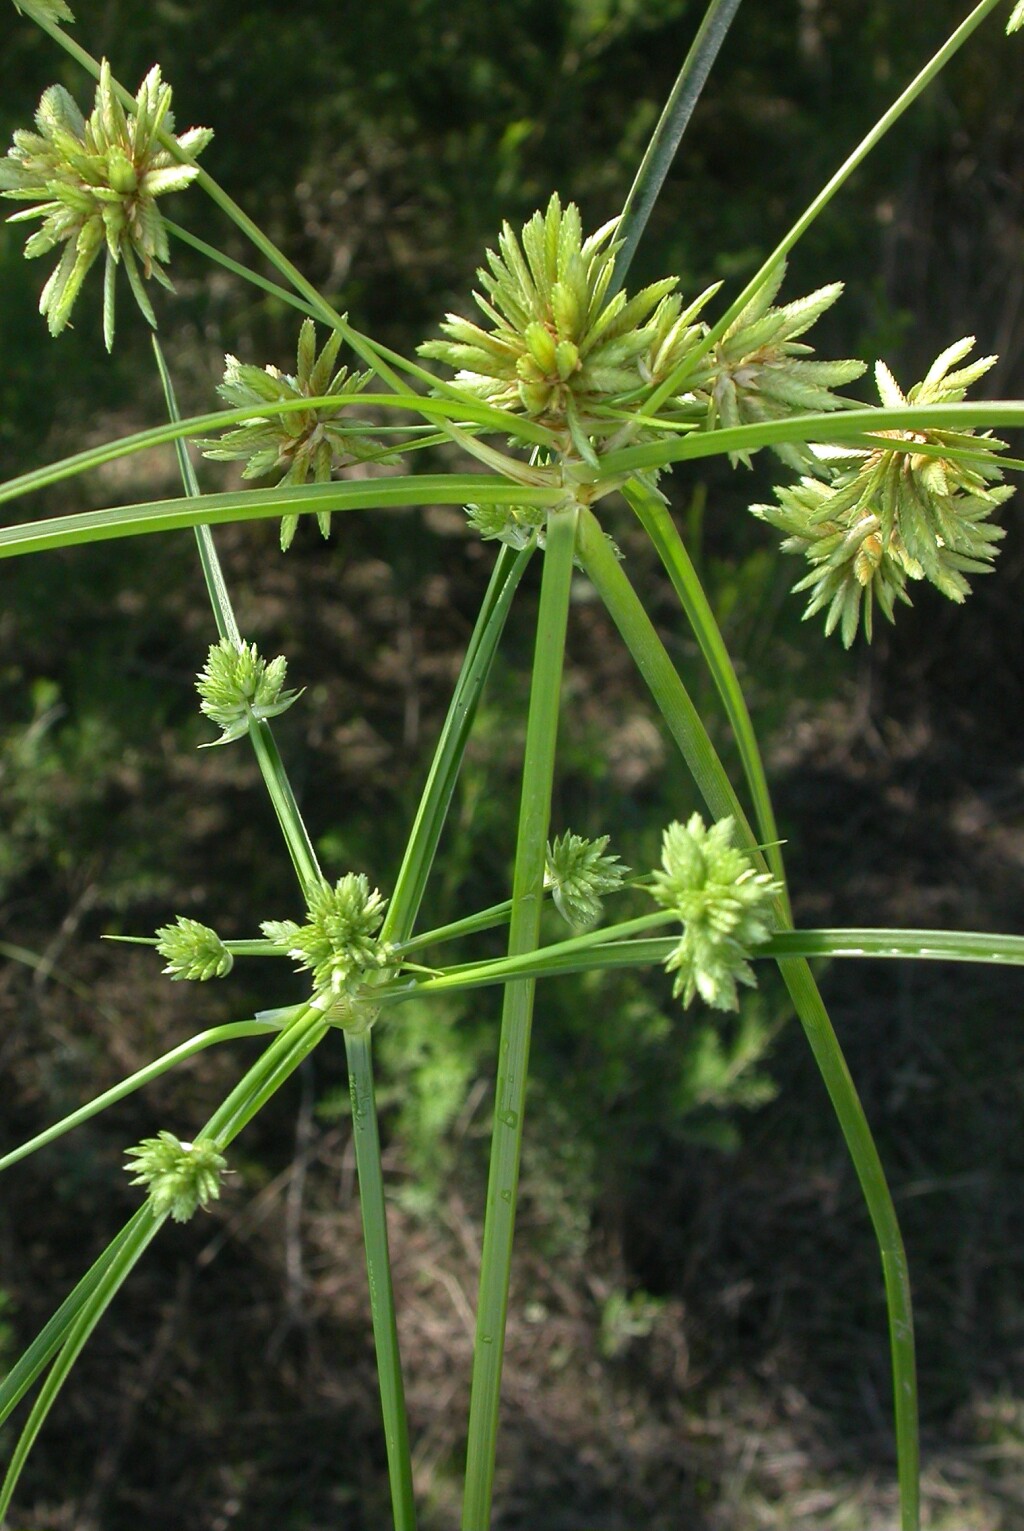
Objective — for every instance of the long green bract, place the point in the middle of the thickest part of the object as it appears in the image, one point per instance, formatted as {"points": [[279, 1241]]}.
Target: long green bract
{"points": [[461, 412], [264, 504], [614, 946], [692, 738]]}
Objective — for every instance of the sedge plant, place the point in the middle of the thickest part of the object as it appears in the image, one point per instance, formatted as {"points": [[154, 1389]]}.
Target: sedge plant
{"points": [[561, 386]]}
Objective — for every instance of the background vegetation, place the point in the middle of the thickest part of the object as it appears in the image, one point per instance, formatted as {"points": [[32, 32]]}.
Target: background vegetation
{"points": [[698, 1335]]}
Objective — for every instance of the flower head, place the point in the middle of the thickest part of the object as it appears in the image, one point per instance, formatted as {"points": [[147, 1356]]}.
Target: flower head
{"points": [[301, 446], [178, 1176], [515, 525], [759, 370], [578, 872], [870, 518], [339, 945], [96, 181], [193, 951], [724, 904], [237, 685], [1016, 20], [559, 348]]}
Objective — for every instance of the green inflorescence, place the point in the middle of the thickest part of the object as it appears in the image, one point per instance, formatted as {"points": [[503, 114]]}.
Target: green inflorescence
{"points": [[179, 1177], [725, 905], [340, 946], [302, 446], [193, 951], [578, 873], [237, 685], [869, 519], [95, 182]]}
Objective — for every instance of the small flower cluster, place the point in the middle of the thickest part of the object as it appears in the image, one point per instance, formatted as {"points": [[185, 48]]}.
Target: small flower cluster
{"points": [[578, 873], [868, 519], [193, 951], [724, 904], [179, 1177], [303, 445], [515, 525], [237, 685], [560, 349], [96, 181], [339, 945], [759, 369]]}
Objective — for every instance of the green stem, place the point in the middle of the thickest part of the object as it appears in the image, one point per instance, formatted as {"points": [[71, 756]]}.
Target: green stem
{"points": [[274, 1065], [540, 961], [469, 925], [613, 946], [627, 612], [465, 412], [653, 514], [920, 82], [31, 1363], [677, 709], [109, 1277], [138, 1081], [216, 586], [444, 770], [851, 427], [263, 504], [301, 1039], [517, 1012], [378, 1266], [861, 1145], [918, 945], [672, 124], [279, 790]]}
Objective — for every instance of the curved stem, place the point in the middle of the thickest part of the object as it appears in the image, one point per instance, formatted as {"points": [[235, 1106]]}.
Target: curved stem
{"points": [[849, 1112], [677, 709], [653, 514], [262, 504], [48, 1341], [108, 1278], [637, 630]]}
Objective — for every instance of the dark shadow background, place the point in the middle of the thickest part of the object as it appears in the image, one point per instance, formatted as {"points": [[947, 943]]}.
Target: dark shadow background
{"points": [[698, 1332]]}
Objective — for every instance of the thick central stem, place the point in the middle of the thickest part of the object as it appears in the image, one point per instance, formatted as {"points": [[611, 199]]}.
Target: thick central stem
{"points": [[517, 1015]]}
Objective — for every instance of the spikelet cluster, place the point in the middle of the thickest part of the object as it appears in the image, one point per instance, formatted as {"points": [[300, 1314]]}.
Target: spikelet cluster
{"points": [[558, 347], [193, 951], [179, 1177], [868, 520], [236, 685], [760, 370], [578, 874], [304, 445], [340, 946], [95, 182], [724, 904]]}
